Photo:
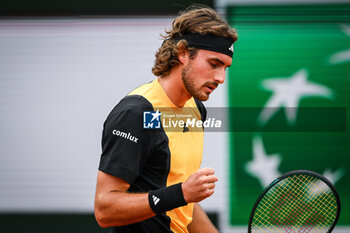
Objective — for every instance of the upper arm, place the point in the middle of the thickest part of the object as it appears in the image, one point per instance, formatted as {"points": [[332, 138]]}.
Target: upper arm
{"points": [[125, 148], [116, 207], [109, 183], [125, 145]]}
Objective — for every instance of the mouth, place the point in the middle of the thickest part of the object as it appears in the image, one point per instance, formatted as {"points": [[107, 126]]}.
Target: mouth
{"points": [[210, 88]]}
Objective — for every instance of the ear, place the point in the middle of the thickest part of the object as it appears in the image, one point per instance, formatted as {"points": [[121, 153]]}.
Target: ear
{"points": [[184, 56]]}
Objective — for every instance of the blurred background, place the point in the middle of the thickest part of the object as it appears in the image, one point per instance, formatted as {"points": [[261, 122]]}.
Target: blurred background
{"points": [[65, 64]]}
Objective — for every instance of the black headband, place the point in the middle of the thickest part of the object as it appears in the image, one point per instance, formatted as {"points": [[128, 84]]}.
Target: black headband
{"points": [[209, 42]]}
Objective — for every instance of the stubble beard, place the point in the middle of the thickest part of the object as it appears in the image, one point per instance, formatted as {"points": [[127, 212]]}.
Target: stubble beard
{"points": [[187, 80]]}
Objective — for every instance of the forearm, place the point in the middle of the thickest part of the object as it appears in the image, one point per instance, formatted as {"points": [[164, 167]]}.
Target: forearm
{"points": [[118, 208], [114, 206]]}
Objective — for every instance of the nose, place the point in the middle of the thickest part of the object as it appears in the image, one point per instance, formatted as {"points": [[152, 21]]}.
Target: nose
{"points": [[220, 76]]}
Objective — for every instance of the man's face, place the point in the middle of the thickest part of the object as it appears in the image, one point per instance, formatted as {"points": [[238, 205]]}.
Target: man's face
{"points": [[204, 73]]}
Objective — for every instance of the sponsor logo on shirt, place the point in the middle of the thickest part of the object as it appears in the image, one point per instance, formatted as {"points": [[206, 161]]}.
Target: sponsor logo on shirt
{"points": [[151, 119], [128, 136]]}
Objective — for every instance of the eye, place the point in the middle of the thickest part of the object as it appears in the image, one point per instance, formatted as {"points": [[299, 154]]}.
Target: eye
{"points": [[214, 65]]}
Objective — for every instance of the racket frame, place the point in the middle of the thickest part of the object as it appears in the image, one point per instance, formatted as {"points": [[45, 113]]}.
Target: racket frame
{"points": [[292, 173]]}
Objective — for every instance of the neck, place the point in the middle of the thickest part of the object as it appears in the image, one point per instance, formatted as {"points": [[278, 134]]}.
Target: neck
{"points": [[173, 86]]}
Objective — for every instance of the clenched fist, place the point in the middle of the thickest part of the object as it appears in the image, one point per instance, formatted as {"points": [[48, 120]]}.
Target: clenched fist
{"points": [[199, 185]]}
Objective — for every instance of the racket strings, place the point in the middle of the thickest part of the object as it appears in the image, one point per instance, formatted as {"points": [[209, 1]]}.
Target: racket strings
{"points": [[297, 204]]}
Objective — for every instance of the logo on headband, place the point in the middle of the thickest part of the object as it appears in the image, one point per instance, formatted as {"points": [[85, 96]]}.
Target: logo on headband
{"points": [[231, 48]]}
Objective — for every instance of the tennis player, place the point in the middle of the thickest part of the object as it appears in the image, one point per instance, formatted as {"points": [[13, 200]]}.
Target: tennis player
{"points": [[150, 180]]}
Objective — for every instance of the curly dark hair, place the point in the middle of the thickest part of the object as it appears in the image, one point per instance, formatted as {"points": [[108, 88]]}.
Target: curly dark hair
{"points": [[196, 19]]}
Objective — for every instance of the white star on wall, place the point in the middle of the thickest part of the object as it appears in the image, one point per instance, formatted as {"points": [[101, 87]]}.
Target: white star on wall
{"points": [[334, 176], [320, 187], [287, 93], [343, 56], [263, 166]]}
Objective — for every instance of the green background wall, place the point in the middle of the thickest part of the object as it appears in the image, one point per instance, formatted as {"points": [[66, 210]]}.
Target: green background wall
{"points": [[282, 50]]}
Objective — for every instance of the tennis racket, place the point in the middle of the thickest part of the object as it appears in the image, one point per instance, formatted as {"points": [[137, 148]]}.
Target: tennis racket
{"points": [[297, 202]]}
